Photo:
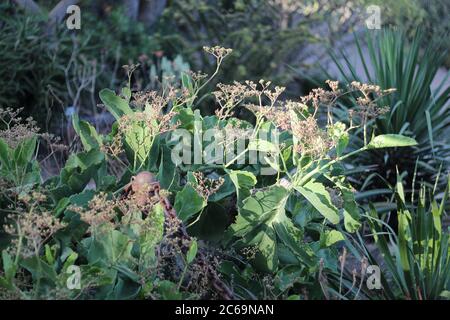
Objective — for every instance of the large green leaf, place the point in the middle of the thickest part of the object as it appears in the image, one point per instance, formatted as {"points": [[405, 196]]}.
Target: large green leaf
{"points": [[79, 170], [318, 196], [87, 133], [168, 175], [212, 223], [390, 141], [188, 202], [138, 144], [107, 248], [264, 240], [330, 237], [243, 181], [350, 209], [256, 222], [115, 104], [289, 235], [24, 152], [18, 165], [39, 269]]}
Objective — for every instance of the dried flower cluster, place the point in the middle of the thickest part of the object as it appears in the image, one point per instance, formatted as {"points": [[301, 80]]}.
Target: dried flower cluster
{"points": [[153, 123], [197, 76], [368, 108], [152, 115], [14, 129], [235, 130], [250, 252], [218, 52], [231, 96], [228, 96], [207, 186], [149, 117], [53, 142], [103, 210], [31, 226], [100, 212], [301, 117], [312, 140]]}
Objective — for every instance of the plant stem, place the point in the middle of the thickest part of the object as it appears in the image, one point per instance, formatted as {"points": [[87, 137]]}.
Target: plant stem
{"points": [[308, 176], [182, 277]]}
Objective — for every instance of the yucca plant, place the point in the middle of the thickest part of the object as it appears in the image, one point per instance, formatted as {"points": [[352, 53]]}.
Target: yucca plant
{"points": [[392, 61], [415, 260]]}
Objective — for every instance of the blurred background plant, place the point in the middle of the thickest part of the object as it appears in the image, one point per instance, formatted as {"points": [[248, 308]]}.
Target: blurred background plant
{"points": [[433, 20], [52, 72], [45, 66], [267, 36]]}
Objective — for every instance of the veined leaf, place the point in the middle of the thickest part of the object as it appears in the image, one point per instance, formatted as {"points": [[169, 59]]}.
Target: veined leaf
{"points": [[115, 104], [318, 196], [87, 133], [390, 141], [350, 210], [328, 238], [188, 202], [256, 222], [243, 182]]}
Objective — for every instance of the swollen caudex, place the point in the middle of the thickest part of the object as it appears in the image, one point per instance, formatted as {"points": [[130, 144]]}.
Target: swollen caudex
{"points": [[142, 181]]}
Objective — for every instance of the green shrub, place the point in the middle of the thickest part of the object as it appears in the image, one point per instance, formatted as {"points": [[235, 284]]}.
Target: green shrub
{"points": [[274, 234]]}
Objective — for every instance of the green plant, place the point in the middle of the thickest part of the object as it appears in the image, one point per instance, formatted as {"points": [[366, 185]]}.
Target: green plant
{"points": [[415, 109], [430, 17], [415, 260], [17, 165], [275, 221], [48, 72]]}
